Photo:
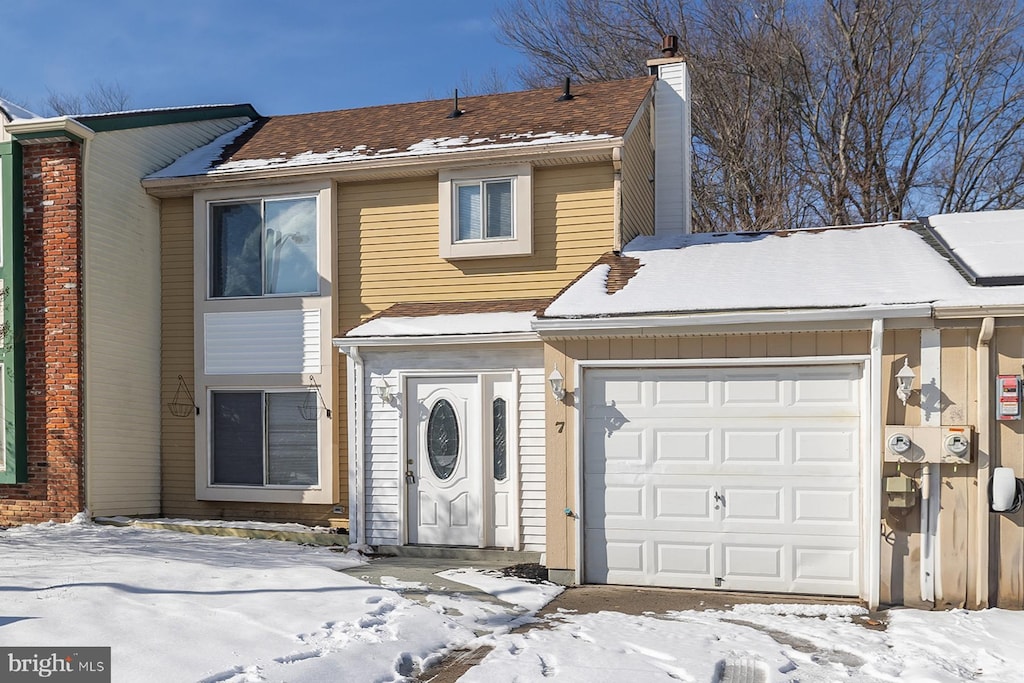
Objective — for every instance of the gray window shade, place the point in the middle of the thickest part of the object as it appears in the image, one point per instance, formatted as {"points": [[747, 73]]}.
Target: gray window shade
{"points": [[470, 215], [238, 438], [291, 441], [499, 208]]}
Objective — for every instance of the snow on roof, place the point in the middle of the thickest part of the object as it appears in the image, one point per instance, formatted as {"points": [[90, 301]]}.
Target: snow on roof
{"points": [[426, 147], [876, 265], [200, 159], [989, 244], [441, 325], [13, 111]]}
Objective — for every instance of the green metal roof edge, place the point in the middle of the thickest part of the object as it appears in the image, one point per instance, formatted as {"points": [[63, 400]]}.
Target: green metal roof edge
{"points": [[102, 123]]}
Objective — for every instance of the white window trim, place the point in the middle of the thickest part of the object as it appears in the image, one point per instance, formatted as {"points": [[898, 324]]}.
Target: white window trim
{"points": [[521, 242], [204, 382]]}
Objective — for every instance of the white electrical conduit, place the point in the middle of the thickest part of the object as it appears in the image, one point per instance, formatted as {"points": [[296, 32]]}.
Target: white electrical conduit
{"points": [[931, 371], [984, 432]]}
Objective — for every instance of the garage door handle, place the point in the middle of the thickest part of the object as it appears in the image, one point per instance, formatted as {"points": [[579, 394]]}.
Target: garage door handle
{"points": [[719, 498]]}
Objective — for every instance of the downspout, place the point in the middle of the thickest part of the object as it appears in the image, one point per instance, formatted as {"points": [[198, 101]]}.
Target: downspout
{"points": [[356, 471], [873, 512], [984, 449], [617, 199]]}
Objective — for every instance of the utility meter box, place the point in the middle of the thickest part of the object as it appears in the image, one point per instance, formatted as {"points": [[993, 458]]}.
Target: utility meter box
{"points": [[951, 444]]}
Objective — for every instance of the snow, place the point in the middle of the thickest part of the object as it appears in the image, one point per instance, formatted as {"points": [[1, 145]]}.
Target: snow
{"points": [[15, 111], [989, 243], [881, 265], [436, 325], [202, 160], [180, 607]]}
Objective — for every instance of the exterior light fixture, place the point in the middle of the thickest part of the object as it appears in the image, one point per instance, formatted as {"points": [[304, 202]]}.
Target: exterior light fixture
{"points": [[557, 384], [384, 391], [904, 382]]}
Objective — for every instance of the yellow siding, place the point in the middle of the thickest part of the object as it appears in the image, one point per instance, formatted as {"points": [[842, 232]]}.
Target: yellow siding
{"points": [[637, 187], [388, 246], [178, 434]]}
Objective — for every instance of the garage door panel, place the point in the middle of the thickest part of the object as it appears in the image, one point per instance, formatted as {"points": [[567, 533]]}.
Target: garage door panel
{"points": [[743, 479]]}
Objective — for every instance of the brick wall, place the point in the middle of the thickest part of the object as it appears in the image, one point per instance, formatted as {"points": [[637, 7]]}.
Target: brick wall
{"points": [[52, 336]]}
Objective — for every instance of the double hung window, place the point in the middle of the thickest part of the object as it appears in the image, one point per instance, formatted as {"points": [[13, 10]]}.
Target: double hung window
{"points": [[262, 247], [486, 212], [262, 438]]}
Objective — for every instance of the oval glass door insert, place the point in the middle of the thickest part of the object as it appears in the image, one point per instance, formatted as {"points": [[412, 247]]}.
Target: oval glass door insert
{"points": [[443, 439]]}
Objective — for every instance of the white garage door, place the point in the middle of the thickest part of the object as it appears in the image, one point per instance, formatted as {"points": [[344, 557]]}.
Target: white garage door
{"points": [[731, 478]]}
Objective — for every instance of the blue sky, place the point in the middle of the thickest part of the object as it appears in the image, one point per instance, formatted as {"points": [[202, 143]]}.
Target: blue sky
{"points": [[282, 56]]}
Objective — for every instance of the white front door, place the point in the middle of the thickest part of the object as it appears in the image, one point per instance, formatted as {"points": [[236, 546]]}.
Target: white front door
{"points": [[443, 467]]}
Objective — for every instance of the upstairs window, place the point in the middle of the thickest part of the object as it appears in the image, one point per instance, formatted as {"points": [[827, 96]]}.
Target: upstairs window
{"points": [[262, 247], [486, 212]]}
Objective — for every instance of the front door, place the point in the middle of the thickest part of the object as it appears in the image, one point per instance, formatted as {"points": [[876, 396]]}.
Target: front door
{"points": [[443, 467]]}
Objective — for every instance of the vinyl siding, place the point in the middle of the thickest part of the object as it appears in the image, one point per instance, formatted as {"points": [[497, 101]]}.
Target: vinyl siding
{"points": [[177, 441], [121, 291], [382, 457], [388, 247], [637, 185]]}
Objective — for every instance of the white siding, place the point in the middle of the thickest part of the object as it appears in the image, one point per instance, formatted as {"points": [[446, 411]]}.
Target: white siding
{"points": [[672, 150], [121, 244], [383, 426], [261, 342]]}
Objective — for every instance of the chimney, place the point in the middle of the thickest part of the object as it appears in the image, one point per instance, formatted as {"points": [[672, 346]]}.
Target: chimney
{"points": [[671, 122]]}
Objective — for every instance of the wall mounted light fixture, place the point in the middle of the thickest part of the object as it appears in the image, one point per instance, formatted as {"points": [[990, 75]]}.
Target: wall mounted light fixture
{"points": [[557, 384], [384, 391], [904, 382]]}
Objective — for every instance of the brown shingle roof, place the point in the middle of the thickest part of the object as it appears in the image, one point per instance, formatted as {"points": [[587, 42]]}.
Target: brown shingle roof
{"points": [[417, 309], [596, 109]]}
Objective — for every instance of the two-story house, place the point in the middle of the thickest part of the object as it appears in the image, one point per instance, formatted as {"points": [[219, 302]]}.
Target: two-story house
{"points": [[418, 240], [80, 270]]}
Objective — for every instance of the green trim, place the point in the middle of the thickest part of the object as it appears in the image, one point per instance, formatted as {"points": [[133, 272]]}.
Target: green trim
{"points": [[12, 347], [47, 135], [163, 117]]}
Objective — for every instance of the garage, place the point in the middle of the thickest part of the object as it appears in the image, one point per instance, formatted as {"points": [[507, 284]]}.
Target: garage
{"points": [[737, 478]]}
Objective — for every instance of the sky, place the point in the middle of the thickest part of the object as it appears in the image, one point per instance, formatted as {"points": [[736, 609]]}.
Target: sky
{"points": [[283, 57], [272, 611]]}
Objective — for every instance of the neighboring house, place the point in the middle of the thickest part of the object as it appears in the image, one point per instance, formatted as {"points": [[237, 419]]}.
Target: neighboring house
{"points": [[732, 420], [419, 239], [81, 264]]}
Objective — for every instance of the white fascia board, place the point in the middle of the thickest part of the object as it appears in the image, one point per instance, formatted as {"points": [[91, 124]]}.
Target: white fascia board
{"points": [[54, 125], [422, 163], [661, 322], [994, 311], [345, 343]]}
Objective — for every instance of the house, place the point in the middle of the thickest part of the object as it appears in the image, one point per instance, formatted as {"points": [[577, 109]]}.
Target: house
{"points": [[81, 263], [817, 411], [346, 292]]}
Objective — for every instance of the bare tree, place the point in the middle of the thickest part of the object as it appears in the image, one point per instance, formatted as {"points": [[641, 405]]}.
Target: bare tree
{"points": [[804, 112], [102, 97]]}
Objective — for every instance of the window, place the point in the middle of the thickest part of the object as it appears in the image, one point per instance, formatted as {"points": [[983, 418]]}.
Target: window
{"points": [[261, 438], [443, 439], [499, 443], [263, 247], [486, 212]]}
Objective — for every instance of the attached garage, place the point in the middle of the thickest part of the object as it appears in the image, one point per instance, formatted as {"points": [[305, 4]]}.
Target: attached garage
{"points": [[731, 477]]}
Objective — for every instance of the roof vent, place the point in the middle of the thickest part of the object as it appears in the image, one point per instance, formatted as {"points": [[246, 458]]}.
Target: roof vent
{"points": [[566, 95], [456, 112], [669, 46]]}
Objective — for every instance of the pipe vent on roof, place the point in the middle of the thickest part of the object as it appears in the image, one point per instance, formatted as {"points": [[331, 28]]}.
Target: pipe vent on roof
{"points": [[456, 112], [566, 93]]}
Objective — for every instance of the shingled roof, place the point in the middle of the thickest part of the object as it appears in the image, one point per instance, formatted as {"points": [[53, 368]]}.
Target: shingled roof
{"points": [[529, 117]]}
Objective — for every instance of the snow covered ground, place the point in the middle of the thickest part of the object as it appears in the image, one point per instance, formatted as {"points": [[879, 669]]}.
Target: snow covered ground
{"points": [[177, 607]]}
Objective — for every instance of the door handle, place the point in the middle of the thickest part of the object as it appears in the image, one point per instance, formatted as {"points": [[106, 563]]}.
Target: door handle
{"points": [[410, 478], [719, 499]]}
